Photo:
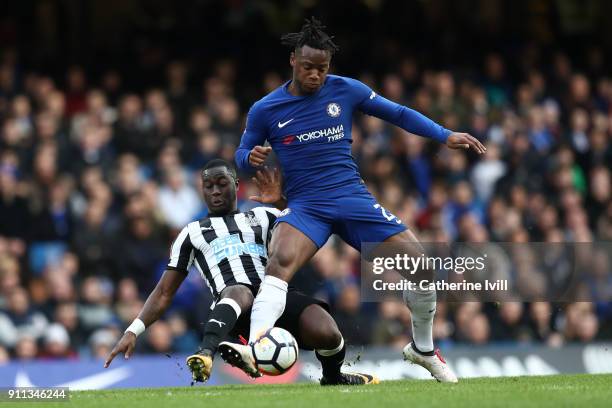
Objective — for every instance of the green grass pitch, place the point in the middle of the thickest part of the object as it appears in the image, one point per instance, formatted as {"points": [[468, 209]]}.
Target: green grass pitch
{"points": [[550, 391]]}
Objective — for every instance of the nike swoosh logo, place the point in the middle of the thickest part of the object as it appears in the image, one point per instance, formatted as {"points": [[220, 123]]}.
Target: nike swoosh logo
{"points": [[91, 382], [207, 228], [283, 124], [221, 324]]}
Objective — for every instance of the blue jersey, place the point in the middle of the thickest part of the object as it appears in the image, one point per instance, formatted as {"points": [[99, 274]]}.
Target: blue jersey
{"points": [[311, 135]]}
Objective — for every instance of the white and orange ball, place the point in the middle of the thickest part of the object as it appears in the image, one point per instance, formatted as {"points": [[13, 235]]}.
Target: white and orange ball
{"points": [[275, 351]]}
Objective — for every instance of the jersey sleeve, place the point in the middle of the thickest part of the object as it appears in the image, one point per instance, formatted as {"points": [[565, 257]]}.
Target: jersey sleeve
{"points": [[270, 214], [181, 252], [369, 102], [272, 211], [255, 134]]}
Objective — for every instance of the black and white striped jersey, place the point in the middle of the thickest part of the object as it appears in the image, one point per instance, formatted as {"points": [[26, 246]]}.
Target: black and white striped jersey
{"points": [[226, 250]]}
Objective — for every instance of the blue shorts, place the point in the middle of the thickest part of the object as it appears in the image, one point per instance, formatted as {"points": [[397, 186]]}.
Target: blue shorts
{"points": [[356, 218]]}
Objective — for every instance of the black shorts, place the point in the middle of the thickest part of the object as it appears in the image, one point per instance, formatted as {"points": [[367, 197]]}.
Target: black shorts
{"points": [[289, 320]]}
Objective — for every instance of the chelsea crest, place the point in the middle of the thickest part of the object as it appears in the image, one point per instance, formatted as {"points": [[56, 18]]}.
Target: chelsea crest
{"points": [[333, 110]]}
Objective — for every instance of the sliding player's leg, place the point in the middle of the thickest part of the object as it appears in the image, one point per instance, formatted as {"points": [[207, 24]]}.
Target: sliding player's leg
{"points": [[289, 250], [317, 330], [296, 238], [309, 321], [221, 320]]}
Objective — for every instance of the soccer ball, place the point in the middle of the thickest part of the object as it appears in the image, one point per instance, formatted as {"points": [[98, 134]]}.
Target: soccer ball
{"points": [[275, 352]]}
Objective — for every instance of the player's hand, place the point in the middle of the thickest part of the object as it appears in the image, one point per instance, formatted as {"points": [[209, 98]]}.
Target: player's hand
{"points": [[125, 345], [269, 184], [258, 155], [458, 140]]}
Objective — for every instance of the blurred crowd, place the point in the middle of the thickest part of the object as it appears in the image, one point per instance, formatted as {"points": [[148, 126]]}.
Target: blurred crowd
{"points": [[96, 179]]}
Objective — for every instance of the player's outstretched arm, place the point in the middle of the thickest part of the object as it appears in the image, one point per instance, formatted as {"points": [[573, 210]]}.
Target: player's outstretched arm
{"points": [[269, 183], [410, 120], [157, 303]]}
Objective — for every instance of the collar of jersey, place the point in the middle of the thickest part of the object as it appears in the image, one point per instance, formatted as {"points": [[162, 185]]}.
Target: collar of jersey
{"points": [[229, 214]]}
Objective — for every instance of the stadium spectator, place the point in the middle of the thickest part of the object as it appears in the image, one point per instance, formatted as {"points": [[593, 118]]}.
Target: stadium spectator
{"points": [[478, 330], [392, 326], [56, 343], [184, 340], [159, 338], [178, 201], [541, 322], [101, 342], [508, 322], [26, 347], [67, 315], [20, 319], [95, 309]]}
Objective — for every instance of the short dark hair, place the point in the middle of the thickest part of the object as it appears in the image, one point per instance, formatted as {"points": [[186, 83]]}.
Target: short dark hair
{"points": [[312, 35], [220, 163]]}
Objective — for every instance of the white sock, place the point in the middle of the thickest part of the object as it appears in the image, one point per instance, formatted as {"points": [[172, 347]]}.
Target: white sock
{"points": [[268, 306], [422, 305]]}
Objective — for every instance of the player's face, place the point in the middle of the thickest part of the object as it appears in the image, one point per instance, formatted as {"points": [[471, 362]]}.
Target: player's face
{"points": [[219, 189], [310, 67]]}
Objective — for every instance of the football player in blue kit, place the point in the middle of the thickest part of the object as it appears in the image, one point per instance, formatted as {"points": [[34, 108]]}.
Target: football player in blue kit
{"points": [[307, 122]]}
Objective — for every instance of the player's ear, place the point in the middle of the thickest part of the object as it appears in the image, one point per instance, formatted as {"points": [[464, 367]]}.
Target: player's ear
{"points": [[237, 184], [292, 59]]}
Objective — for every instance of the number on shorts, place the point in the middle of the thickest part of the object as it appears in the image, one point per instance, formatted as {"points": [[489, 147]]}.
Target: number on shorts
{"points": [[386, 214]]}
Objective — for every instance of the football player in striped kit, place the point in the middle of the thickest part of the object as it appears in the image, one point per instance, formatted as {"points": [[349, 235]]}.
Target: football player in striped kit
{"points": [[230, 250]]}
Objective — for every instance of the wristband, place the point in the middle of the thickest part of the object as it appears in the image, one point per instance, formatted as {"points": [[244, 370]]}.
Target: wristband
{"points": [[137, 327]]}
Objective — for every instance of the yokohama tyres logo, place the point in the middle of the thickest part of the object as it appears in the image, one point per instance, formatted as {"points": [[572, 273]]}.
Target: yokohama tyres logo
{"points": [[331, 133]]}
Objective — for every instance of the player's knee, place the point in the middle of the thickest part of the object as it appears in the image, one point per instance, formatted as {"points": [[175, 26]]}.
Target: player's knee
{"points": [[240, 294], [405, 243], [321, 327], [331, 337]]}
